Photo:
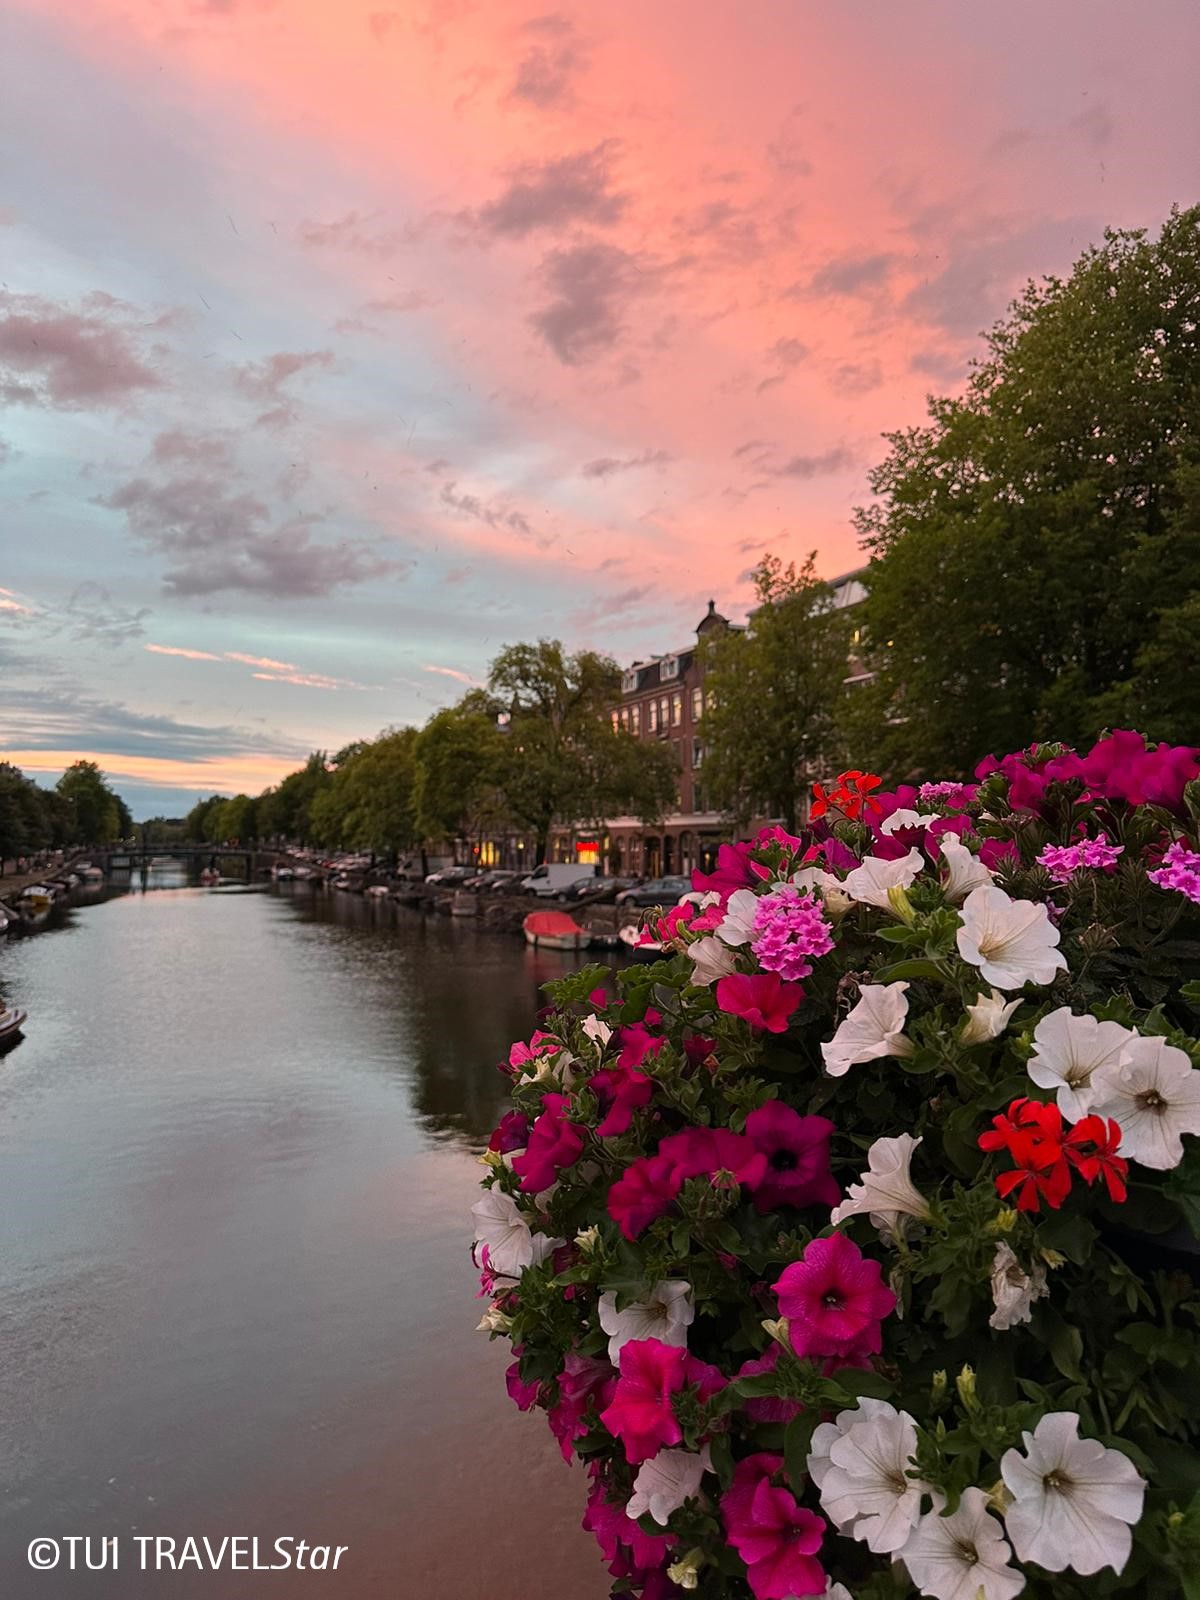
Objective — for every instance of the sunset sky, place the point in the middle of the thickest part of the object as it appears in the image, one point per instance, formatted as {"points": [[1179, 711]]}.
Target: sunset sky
{"points": [[342, 343]]}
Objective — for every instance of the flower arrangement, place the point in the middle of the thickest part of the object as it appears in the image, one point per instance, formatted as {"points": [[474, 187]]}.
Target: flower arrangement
{"points": [[842, 1247]]}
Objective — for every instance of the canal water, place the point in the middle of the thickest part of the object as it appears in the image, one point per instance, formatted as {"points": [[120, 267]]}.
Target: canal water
{"points": [[237, 1155]]}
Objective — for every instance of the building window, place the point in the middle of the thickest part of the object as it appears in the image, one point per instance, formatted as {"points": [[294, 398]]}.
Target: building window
{"points": [[697, 798], [668, 668], [676, 709], [625, 716], [637, 720], [697, 753], [616, 720], [664, 713], [653, 722], [629, 681], [697, 703]]}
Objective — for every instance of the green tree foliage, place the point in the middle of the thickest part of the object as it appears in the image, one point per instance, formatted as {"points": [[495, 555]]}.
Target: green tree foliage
{"points": [[777, 691], [458, 756], [196, 822], [371, 802], [562, 760], [25, 823], [1035, 548], [286, 812], [96, 811]]}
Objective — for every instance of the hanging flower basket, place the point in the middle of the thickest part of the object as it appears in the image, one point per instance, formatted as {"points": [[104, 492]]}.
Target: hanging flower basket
{"points": [[841, 1246]]}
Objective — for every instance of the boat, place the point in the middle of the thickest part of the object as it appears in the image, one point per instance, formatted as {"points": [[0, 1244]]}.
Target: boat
{"points": [[11, 1022], [283, 874], [5, 919], [209, 877], [555, 930], [38, 897], [464, 905], [640, 942], [91, 874]]}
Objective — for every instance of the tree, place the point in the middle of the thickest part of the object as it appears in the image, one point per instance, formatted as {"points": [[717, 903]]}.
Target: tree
{"points": [[286, 811], [777, 690], [371, 802], [563, 761], [95, 809], [1035, 548], [23, 813], [458, 756]]}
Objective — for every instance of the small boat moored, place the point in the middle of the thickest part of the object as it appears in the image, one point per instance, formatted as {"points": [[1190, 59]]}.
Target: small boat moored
{"points": [[11, 1022], [555, 930]]}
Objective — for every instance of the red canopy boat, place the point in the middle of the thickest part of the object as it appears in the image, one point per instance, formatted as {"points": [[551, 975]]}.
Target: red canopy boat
{"points": [[555, 930]]}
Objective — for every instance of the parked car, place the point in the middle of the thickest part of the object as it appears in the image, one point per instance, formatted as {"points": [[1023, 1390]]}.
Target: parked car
{"points": [[496, 881], [448, 876], [597, 891], [555, 877], [656, 892]]}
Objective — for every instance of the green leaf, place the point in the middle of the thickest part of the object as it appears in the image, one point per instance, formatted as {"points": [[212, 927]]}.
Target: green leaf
{"points": [[917, 967], [796, 1441]]}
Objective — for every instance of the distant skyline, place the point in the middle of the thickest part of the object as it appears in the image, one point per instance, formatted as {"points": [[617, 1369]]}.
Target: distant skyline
{"points": [[342, 344]]}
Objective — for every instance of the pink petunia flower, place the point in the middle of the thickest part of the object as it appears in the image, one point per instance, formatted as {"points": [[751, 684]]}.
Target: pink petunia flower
{"points": [[702, 1152], [621, 1091], [511, 1133], [763, 1000], [636, 1042], [640, 1413], [554, 1143], [734, 870], [797, 1152], [778, 1540], [523, 1395], [628, 1551], [644, 1191], [767, 1407], [834, 1299], [582, 1381]]}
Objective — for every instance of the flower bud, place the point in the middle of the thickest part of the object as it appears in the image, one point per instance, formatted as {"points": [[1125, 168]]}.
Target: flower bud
{"points": [[1004, 1221], [1052, 1258], [777, 1329], [686, 1572], [587, 1239], [494, 1320], [937, 1389], [490, 1158], [965, 1384], [999, 1498]]}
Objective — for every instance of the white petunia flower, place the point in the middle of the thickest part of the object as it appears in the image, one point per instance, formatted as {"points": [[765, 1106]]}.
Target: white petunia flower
{"points": [[836, 1591], [870, 882], [711, 960], [907, 818], [738, 924], [859, 1463], [827, 885], [1012, 942], [1013, 1289], [964, 1556], [1154, 1093], [964, 870], [874, 1028], [665, 1481], [665, 1316], [494, 1320], [597, 1030], [1074, 1500], [1068, 1051], [885, 1191], [511, 1244], [987, 1018]]}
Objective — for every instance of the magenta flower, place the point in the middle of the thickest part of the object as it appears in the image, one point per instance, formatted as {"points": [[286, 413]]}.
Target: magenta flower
{"points": [[777, 835], [797, 1152], [835, 1299], [582, 1381], [763, 1000], [766, 1407], [523, 1395], [948, 793], [1179, 870], [993, 851], [621, 1091], [640, 1413], [511, 1133], [789, 927], [520, 1053], [678, 917], [738, 1500], [1061, 861], [636, 1042], [628, 1551], [778, 1540], [702, 1152], [644, 1191], [554, 1143], [734, 870]]}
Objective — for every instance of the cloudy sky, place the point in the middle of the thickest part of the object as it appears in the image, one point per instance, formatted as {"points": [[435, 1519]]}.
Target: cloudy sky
{"points": [[342, 342]]}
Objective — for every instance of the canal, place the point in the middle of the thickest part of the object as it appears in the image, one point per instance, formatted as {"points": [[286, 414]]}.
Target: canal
{"points": [[237, 1152]]}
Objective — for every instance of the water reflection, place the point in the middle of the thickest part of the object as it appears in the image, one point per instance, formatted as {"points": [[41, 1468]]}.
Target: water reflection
{"points": [[235, 1289]]}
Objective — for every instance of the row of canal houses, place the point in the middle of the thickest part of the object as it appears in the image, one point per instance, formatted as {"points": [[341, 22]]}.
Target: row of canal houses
{"points": [[663, 699]]}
